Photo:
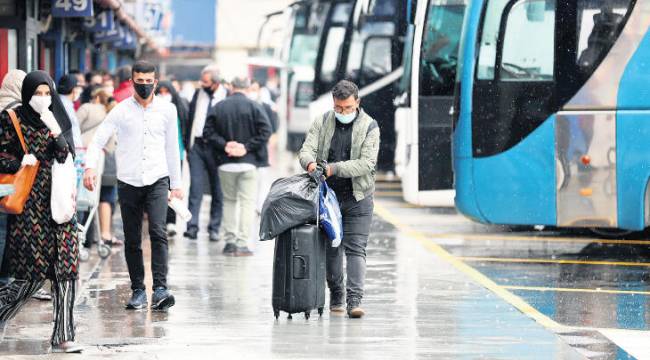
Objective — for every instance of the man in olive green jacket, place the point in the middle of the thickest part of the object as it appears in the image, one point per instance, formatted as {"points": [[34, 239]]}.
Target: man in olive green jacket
{"points": [[348, 139]]}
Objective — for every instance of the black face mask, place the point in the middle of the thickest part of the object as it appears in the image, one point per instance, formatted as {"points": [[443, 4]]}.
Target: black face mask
{"points": [[208, 89], [143, 90]]}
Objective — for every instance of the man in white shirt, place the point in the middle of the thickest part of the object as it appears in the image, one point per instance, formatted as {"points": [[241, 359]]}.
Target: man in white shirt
{"points": [[148, 167], [201, 158]]}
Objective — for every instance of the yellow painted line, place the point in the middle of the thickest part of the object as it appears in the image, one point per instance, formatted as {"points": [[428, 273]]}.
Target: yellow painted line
{"points": [[388, 193], [389, 185], [552, 261], [480, 237], [570, 290], [407, 206], [477, 276]]}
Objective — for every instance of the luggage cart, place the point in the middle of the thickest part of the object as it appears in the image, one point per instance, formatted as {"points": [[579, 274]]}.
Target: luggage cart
{"points": [[88, 202]]}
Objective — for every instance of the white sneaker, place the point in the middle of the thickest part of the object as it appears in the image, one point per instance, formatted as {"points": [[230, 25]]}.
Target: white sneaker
{"points": [[68, 347], [42, 295]]}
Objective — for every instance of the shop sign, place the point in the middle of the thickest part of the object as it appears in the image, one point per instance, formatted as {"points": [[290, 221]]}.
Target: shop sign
{"points": [[72, 8], [103, 21]]}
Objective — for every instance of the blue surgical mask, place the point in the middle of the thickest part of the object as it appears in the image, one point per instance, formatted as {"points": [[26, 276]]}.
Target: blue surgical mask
{"points": [[345, 118]]}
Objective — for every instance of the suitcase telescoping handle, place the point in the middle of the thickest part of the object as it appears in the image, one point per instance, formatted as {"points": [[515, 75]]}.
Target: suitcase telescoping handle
{"points": [[319, 176]]}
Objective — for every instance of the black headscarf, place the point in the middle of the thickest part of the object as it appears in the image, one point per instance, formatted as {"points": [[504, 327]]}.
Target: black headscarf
{"points": [[28, 115], [181, 105]]}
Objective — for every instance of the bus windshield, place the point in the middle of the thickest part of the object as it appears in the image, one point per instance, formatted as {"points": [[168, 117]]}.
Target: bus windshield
{"points": [[304, 49], [440, 45], [379, 56], [308, 26]]}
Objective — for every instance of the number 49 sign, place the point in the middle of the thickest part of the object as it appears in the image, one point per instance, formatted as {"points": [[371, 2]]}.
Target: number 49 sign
{"points": [[72, 8]]}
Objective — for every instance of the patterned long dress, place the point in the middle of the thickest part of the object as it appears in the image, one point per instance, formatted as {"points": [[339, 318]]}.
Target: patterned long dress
{"points": [[38, 248]]}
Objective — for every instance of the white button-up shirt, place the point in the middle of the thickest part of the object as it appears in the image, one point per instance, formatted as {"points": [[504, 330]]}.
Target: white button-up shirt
{"points": [[147, 142]]}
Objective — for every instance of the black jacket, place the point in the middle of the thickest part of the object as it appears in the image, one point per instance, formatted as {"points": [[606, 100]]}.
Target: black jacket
{"points": [[190, 118], [240, 119]]}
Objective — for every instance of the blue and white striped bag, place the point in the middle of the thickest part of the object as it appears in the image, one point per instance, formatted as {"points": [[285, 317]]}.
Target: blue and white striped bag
{"points": [[331, 220]]}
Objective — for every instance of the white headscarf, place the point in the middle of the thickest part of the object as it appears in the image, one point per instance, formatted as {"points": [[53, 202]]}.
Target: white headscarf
{"points": [[10, 89]]}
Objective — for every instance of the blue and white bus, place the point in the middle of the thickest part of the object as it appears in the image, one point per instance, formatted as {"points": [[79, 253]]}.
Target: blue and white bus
{"points": [[552, 120]]}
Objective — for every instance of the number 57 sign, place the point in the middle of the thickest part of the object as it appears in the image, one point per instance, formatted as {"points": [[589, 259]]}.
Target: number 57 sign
{"points": [[72, 8]]}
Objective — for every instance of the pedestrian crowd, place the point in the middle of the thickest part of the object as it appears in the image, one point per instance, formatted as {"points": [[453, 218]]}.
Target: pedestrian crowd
{"points": [[131, 135]]}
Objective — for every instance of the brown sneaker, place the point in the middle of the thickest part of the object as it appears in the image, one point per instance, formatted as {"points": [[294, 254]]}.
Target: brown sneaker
{"points": [[243, 251], [336, 301], [354, 309]]}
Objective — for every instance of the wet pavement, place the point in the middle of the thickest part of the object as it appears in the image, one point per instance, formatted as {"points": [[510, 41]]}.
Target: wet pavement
{"points": [[438, 287]]}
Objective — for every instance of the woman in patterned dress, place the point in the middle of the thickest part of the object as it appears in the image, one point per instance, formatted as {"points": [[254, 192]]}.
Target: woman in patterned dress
{"points": [[38, 248]]}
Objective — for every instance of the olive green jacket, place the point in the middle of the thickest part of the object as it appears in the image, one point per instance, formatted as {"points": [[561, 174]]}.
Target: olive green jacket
{"points": [[363, 155]]}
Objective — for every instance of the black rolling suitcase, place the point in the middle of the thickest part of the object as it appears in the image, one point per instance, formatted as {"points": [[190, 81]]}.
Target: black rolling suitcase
{"points": [[299, 271]]}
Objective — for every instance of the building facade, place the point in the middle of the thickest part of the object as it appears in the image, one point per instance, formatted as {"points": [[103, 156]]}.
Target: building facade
{"points": [[61, 35]]}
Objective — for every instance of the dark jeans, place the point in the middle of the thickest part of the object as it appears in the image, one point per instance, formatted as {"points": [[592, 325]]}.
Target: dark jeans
{"points": [[202, 161], [134, 201], [357, 218]]}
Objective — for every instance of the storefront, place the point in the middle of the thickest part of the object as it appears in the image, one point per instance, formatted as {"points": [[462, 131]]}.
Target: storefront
{"points": [[61, 35], [19, 31]]}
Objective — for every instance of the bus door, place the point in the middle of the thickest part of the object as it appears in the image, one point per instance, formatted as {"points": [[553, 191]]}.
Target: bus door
{"points": [[436, 79]]}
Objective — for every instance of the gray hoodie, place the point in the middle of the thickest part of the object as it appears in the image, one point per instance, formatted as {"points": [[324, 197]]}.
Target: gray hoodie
{"points": [[10, 89]]}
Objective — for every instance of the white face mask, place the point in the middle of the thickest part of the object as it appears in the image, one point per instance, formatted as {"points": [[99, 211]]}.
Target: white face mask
{"points": [[166, 97], [40, 103]]}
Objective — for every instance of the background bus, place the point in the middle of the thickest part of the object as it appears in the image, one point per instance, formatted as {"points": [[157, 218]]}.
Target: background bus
{"points": [[552, 128], [364, 42], [307, 20], [422, 120]]}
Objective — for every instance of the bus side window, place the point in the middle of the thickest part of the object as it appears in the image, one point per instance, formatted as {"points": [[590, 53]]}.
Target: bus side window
{"points": [[377, 60], [332, 53], [488, 44], [439, 52], [529, 22], [600, 23], [383, 8]]}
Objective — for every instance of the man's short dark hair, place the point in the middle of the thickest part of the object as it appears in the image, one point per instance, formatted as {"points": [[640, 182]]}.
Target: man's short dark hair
{"points": [[89, 76], [344, 89], [67, 83], [123, 74], [143, 67]]}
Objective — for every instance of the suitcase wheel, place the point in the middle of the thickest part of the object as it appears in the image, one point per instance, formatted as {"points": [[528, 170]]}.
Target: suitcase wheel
{"points": [[276, 313], [104, 251], [320, 311], [307, 315], [290, 317]]}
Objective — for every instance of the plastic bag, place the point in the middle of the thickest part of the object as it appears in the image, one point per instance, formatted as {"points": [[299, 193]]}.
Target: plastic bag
{"points": [[64, 190], [291, 202], [331, 220]]}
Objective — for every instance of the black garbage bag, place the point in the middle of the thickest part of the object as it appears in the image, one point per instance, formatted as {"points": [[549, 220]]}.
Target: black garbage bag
{"points": [[292, 201]]}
